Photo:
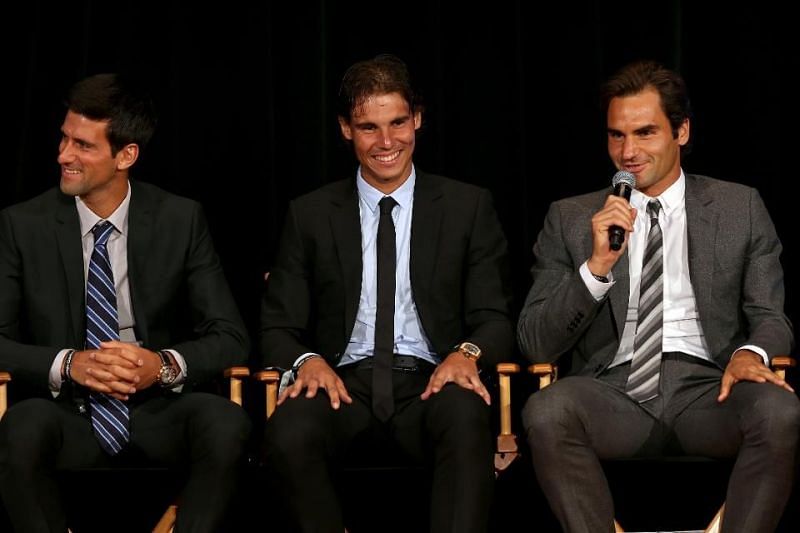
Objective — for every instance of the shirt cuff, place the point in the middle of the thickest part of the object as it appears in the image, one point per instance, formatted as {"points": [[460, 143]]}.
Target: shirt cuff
{"points": [[756, 349], [598, 289], [54, 379]]}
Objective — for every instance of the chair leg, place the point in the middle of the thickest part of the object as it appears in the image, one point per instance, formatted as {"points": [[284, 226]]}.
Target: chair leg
{"points": [[618, 528], [167, 522], [716, 524]]}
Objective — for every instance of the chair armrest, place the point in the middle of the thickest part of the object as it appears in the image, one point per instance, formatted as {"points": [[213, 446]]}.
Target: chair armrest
{"points": [[507, 449], [235, 374], [547, 373], [5, 377], [271, 378], [780, 363]]}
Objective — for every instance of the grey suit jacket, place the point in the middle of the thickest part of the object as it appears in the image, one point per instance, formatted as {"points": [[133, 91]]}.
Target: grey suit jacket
{"points": [[734, 268]]}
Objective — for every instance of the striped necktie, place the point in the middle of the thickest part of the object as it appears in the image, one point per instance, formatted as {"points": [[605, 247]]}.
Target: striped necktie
{"points": [[109, 415], [646, 364]]}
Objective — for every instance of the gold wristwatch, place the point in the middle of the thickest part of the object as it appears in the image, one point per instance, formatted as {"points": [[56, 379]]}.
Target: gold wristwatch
{"points": [[469, 350]]}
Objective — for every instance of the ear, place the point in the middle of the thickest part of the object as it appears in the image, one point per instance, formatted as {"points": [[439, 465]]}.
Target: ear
{"points": [[683, 133], [347, 131], [127, 156], [417, 120]]}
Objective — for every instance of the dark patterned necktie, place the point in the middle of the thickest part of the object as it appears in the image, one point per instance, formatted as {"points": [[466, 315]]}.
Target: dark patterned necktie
{"points": [[382, 394], [109, 416], [646, 364]]}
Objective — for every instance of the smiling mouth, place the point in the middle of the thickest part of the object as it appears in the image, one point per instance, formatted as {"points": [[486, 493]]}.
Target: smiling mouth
{"points": [[386, 158]]}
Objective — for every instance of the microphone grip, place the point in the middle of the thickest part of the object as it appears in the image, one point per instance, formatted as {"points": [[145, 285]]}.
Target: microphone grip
{"points": [[616, 236]]}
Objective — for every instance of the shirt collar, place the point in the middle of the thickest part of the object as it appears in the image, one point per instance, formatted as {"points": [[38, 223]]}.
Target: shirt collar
{"points": [[403, 195], [119, 218], [670, 200]]}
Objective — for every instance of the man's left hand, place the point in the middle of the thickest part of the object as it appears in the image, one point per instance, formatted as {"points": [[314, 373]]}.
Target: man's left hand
{"points": [[459, 370], [746, 365]]}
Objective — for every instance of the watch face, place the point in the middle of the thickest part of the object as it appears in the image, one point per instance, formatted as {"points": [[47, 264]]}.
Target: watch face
{"points": [[470, 350], [167, 375]]}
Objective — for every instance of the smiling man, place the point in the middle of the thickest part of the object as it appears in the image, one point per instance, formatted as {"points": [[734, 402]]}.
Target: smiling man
{"points": [[668, 339], [113, 307], [388, 297]]}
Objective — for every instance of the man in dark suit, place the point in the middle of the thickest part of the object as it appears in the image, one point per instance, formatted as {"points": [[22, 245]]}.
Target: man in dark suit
{"points": [[667, 339], [396, 351], [110, 385]]}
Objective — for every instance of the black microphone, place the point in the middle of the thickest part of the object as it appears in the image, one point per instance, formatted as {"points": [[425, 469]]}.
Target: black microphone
{"points": [[623, 182]]}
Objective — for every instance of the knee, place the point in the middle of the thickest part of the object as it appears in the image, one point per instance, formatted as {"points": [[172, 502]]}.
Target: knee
{"points": [[225, 429], [26, 431], [775, 416], [295, 431], [546, 414], [455, 409]]}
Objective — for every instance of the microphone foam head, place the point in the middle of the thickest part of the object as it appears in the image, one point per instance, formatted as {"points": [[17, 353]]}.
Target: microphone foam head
{"points": [[624, 177]]}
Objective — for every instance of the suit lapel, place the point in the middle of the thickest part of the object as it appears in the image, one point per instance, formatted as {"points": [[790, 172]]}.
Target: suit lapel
{"points": [[68, 236], [425, 228], [701, 226], [140, 234], [346, 227]]}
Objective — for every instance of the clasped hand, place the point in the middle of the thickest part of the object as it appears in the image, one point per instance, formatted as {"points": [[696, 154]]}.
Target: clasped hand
{"points": [[117, 368]]}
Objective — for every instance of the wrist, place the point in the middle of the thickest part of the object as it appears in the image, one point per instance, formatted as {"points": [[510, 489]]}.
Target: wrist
{"points": [[168, 370], [66, 366], [299, 364]]}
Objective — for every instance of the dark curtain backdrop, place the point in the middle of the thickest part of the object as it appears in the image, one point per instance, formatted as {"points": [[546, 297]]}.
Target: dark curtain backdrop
{"points": [[246, 93]]}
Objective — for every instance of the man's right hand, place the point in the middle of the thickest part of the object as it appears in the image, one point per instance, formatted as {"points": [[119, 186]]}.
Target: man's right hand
{"points": [[103, 372], [316, 373], [616, 212]]}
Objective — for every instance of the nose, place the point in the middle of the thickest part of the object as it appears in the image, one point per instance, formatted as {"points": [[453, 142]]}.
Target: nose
{"points": [[386, 137], [629, 148], [65, 153]]}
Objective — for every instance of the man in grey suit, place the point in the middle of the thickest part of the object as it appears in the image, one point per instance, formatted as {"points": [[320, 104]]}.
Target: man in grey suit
{"points": [[666, 341]]}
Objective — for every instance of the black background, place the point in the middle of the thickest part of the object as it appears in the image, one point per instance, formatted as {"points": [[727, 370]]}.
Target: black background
{"points": [[246, 96]]}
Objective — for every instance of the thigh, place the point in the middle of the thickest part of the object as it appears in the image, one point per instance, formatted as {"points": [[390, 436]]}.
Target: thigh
{"points": [[312, 424], [454, 415], [588, 411], [49, 433], [169, 430], [710, 428]]}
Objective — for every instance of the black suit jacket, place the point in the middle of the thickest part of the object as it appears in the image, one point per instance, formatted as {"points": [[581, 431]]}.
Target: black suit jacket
{"points": [[458, 273], [179, 294]]}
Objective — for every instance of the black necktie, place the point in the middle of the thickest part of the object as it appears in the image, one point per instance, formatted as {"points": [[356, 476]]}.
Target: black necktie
{"points": [[382, 397]]}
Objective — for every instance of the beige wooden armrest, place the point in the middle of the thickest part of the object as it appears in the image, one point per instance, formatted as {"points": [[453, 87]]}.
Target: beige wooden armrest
{"points": [[507, 449], [272, 378], [780, 363], [236, 373], [547, 373], [5, 377], [167, 522]]}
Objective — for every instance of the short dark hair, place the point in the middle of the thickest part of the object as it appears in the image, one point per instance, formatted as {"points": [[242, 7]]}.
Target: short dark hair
{"points": [[382, 74], [124, 103], [646, 74]]}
